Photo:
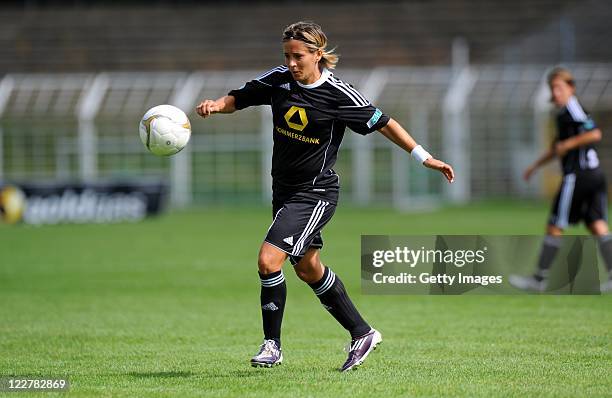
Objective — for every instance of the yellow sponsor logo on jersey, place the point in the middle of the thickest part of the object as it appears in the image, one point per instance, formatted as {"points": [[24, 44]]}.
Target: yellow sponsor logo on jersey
{"points": [[302, 115], [296, 136]]}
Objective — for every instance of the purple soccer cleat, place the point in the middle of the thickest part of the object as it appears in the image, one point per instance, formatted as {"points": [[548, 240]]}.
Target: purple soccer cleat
{"points": [[269, 355], [360, 348]]}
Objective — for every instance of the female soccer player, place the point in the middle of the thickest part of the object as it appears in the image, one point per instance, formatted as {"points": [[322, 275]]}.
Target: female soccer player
{"points": [[311, 109], [583, 191]]}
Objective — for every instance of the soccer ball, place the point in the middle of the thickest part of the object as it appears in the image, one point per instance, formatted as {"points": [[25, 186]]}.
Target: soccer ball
{"points": [[165, 130]]}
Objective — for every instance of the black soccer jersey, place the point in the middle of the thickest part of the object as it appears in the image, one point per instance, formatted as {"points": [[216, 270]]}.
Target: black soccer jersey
{"points": [[573, 120], [309, 124]]}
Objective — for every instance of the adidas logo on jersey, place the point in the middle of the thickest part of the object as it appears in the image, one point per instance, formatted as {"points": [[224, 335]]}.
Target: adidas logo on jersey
{"points": [[269, 307], [289, 240], [286, 86]]}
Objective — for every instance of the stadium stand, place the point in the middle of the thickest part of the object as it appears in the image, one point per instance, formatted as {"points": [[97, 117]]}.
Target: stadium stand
{"points": [[169, 36]]}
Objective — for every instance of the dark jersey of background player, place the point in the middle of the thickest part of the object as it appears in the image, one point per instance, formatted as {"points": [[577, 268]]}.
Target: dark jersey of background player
{"points": [[573, 120], [582, 195], [309, 124]]}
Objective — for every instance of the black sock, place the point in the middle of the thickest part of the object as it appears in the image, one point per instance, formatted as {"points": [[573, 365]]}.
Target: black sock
{"points": [[550, 247], [273, 297], [605, 248], [335, 299]]}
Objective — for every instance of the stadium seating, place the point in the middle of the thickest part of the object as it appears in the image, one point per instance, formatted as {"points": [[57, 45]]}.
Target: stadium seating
{"points": [[189, 37]]}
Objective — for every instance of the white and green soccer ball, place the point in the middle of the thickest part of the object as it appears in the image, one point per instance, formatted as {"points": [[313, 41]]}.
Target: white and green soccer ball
{"points": [[165, 130]]}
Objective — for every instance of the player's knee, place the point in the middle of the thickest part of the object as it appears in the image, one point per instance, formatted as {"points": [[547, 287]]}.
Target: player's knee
{"points": [[307, 276], [303, 274], [268, 263], [308, 269]]}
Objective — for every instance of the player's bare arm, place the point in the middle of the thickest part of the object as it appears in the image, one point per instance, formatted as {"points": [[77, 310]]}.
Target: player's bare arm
{"points": [[542, 160], [399, 136], [589, 137], [560, 148], [225, 104]]}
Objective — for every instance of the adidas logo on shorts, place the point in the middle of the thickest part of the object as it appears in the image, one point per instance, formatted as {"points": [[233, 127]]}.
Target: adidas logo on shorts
{"points": [[289, 240]]}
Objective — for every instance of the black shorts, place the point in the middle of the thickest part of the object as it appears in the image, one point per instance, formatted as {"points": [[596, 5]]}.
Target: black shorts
{"points": [[298, 221], [582, 196]]}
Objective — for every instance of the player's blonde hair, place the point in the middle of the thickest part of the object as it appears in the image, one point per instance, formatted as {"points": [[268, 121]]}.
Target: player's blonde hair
{"points": [[563, 74], [314, 38]]}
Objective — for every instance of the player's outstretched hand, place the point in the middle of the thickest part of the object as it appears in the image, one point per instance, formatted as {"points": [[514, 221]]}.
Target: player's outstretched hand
{"points": [[207, 108], [442, 167], [528, 173]]}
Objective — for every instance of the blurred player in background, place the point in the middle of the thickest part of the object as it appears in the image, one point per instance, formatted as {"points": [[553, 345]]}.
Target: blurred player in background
{"points": [[311, 109], [583, 191]]}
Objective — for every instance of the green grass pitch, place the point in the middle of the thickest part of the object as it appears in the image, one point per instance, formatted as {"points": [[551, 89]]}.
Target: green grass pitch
{"points": [[169, 307]]}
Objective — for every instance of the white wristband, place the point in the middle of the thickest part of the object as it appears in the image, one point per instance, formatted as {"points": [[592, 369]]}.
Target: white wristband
{"points": [[420, 154]]}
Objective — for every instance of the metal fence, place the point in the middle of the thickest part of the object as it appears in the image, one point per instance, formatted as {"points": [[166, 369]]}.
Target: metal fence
{"points": [[489, 121]]}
